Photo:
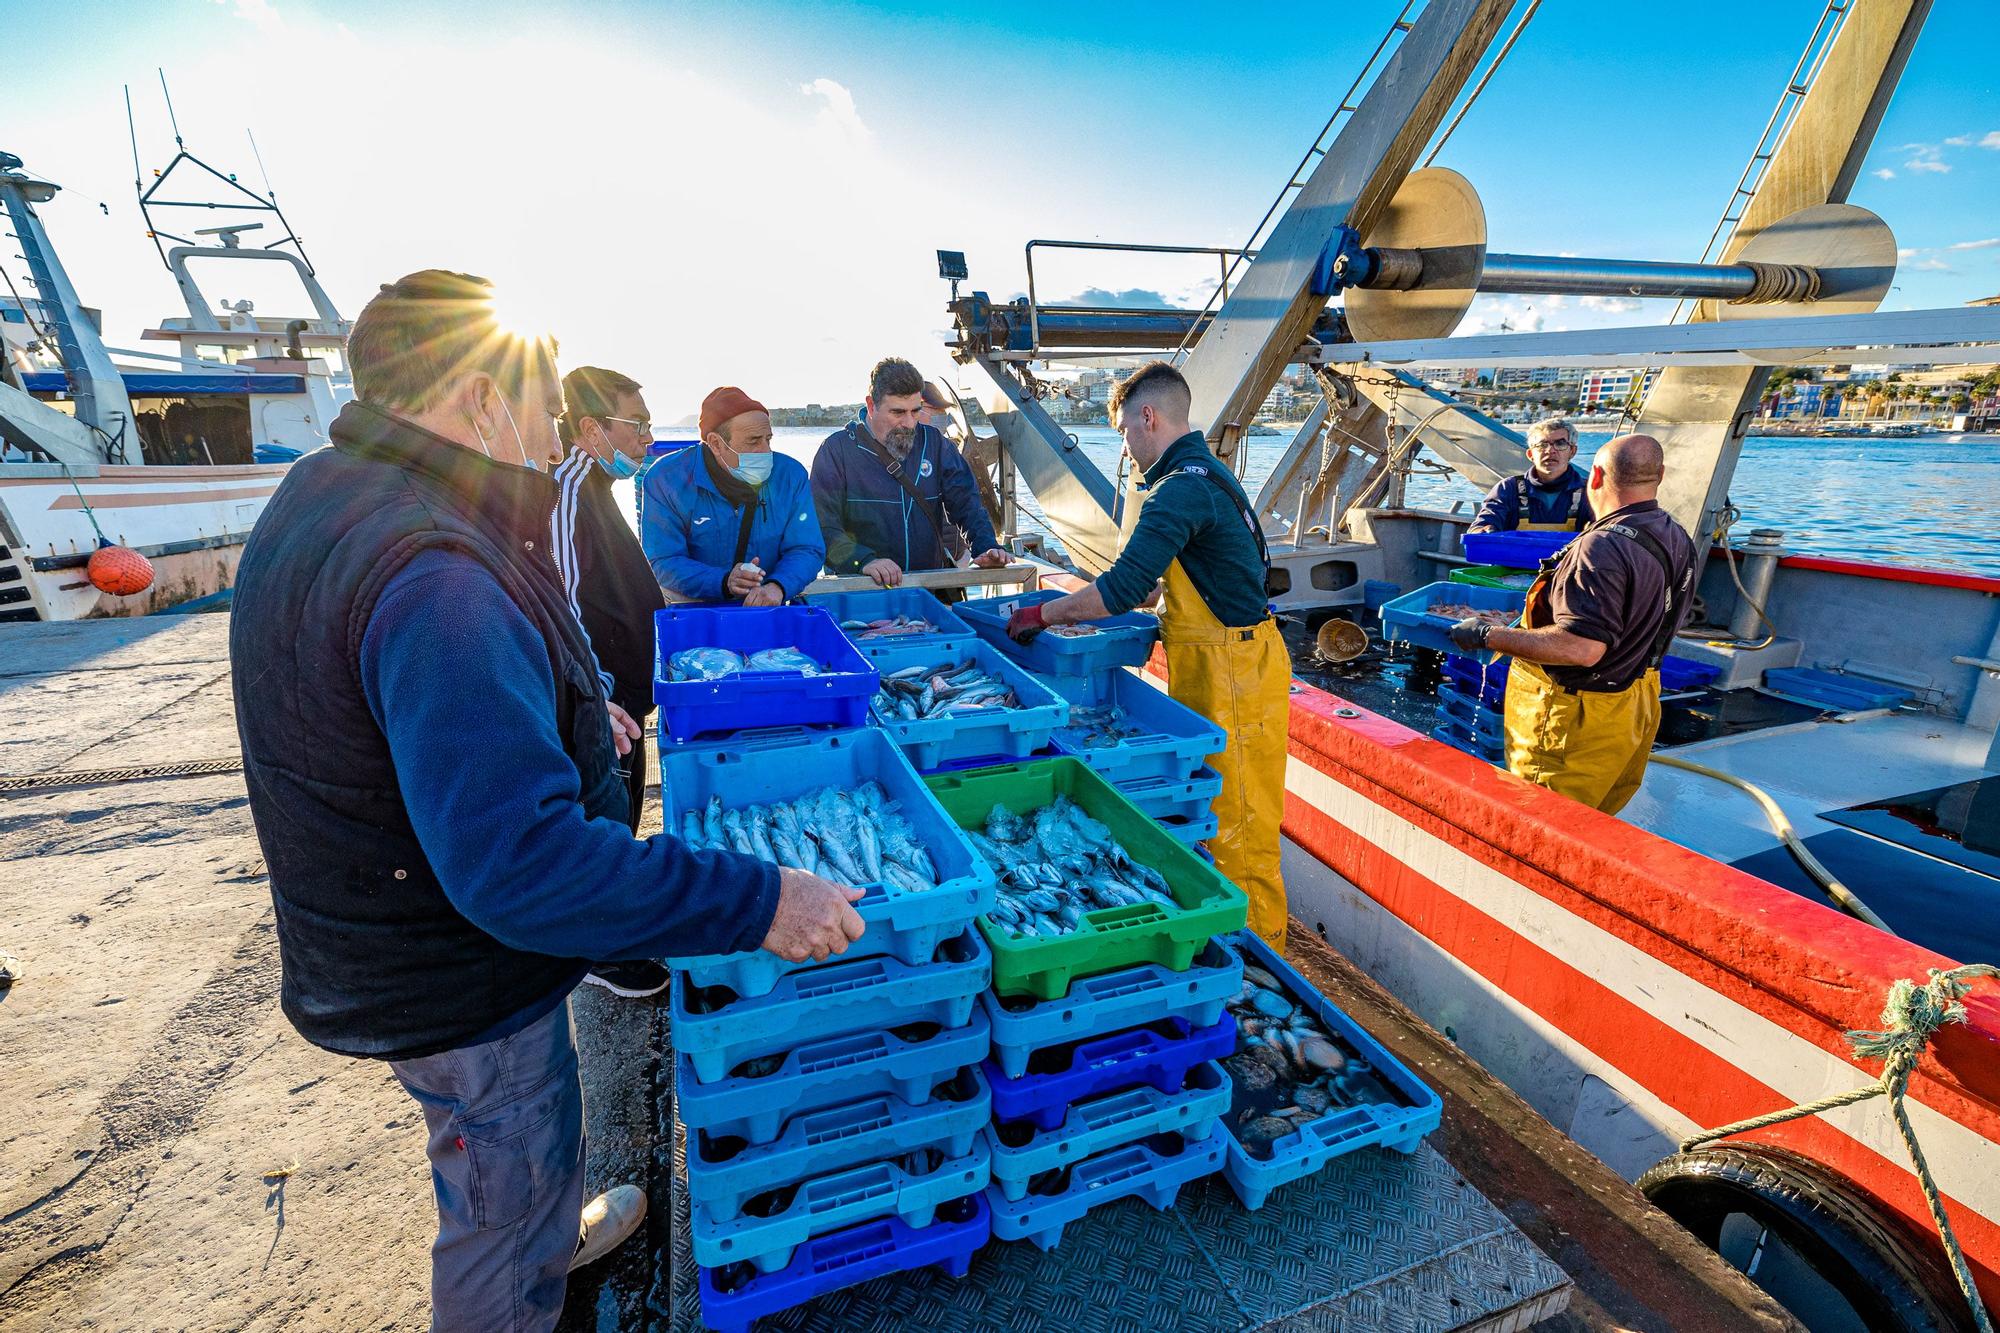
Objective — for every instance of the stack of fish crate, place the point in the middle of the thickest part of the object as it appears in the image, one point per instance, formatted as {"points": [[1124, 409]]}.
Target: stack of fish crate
{"points": [[1107, 1008], [1471, 702], [832, 1113]]}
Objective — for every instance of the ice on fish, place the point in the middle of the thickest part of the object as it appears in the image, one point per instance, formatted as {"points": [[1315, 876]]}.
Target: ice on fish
{"points": [[1058, 865]]}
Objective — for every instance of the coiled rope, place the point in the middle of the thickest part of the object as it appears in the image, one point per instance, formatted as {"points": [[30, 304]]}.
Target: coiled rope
{"points": [[1911, 1016]]}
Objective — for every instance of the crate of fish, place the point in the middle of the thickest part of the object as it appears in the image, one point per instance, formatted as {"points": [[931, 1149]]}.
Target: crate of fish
{"points": [[1111, 1002], [1022, 1152], [758, 1097], [1088, 883], [1425, 617], [1192, 830], [1164, 798], [724, 1172], [845, 805], [1153, 1169], [1465, 709], [716, 667], [719, 1030], [1157, 1054], [892, 616], [734, 1296], [910, 1186], [1064, 650], [954, 703], [1129, 731], [1308, 1084]]}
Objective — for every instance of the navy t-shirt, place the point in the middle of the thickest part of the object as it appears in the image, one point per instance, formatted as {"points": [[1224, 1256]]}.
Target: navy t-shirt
{"points": [[1610, 588]]}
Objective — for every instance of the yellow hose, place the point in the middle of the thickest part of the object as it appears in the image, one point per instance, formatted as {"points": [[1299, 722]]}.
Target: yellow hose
{"points": [[1842, 896]]}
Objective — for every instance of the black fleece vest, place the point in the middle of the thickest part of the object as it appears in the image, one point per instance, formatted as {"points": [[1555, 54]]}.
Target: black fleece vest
{"points": [[375, 959]]}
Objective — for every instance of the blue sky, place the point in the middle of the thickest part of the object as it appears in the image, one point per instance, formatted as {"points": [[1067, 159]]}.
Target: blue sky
{"points": [[753, 192]]}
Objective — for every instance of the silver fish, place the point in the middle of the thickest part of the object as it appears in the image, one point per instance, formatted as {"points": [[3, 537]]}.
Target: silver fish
{"points": [[711, 823], [691, 833], [739, 837]]}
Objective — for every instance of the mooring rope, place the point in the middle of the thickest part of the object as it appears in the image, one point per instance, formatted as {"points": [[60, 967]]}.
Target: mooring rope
{"points": [[1911, 1016]]}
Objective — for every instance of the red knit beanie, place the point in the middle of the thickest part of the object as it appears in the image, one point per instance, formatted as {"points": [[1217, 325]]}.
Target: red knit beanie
{"points": [[723, 405]]}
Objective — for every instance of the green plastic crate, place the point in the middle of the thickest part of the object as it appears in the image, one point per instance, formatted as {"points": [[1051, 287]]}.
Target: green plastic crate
{"points": [[1113, 937], [1492, 576]]}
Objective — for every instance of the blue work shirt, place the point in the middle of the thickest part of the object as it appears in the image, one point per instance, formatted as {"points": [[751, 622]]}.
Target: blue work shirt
{"points": [[1565, 503], [866, 514], [689, 528]]}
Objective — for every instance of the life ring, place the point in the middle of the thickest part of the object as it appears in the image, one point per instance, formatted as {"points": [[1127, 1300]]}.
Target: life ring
{"points": [[1815, 1244]]}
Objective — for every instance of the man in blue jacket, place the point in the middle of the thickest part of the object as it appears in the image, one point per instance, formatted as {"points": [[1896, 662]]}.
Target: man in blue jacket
{"points": [[431, 765], [1551, 496], [731, 520], [889, 488]]}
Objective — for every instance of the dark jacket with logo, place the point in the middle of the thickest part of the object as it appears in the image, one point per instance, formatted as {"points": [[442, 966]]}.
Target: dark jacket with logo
{"points": [[864, 513], [436, 794]]}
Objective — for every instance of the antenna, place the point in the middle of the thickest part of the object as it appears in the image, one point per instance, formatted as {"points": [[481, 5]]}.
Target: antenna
{"points": [[171, 120], [269, 193], [132, 130]]}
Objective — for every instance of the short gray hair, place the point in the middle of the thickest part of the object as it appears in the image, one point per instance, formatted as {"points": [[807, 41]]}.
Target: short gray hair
{"points": [[1547, 426]]}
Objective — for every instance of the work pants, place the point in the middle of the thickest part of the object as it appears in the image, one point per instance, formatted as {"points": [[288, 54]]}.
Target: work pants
{"points": [[1591, 746], [506, 1149]]}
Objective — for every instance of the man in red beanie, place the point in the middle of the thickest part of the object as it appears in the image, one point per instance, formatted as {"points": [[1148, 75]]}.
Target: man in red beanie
{"points": [[731, 520]]}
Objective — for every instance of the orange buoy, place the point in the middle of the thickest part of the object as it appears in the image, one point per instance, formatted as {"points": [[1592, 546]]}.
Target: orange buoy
{"points": [[119, 570]]}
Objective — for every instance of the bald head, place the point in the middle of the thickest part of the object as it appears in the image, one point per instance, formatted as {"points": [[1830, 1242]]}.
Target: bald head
{"points": [[1632, 463]]}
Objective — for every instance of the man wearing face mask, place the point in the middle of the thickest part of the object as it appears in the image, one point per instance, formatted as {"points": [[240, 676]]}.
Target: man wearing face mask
{"points": [[731, 520], [433, 779]]}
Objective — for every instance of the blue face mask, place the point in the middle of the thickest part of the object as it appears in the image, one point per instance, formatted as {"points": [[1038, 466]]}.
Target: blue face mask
{"points": [[753, 469], [621, 466]]}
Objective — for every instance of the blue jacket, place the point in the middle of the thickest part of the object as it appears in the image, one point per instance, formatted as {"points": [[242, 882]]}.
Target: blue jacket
{"points": [[1564, 502], [688, 527], [866, 514]]}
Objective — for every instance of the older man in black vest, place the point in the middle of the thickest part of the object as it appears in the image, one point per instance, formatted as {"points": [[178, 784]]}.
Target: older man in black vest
{"points": [[433, 777]]}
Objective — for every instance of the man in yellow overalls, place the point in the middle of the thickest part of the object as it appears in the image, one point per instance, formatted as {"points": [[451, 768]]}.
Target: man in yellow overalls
{"points": [[1583, 698], [1224, 657]]}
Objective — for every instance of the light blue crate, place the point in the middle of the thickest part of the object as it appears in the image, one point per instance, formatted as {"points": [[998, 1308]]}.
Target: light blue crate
{"points": [[909, 925], [1464, 708], [1022, 1152], [1111, 1002], [1154, 1170], [1174, 741], [1191, 830], [887, 604], [718, 1030], [826, 1073], [1166, 798], [896, 1188], [722, 1173], [999, 734], [1120, 641], [1409, 617]]}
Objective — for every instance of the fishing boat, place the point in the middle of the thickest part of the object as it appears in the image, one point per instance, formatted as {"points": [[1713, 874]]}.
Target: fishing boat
{"points": [[1643, 978], [169, 454]]}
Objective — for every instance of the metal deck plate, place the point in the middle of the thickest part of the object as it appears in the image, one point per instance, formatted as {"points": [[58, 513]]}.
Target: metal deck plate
{"points": [[1377, 1241]]}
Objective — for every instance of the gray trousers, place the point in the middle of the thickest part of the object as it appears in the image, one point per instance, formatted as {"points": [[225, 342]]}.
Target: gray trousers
{"points": [[506, 1150]]}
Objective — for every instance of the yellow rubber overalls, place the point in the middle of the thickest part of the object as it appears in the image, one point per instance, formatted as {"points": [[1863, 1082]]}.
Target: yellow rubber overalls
{"points": [[1239, 679], [1574, 523]]}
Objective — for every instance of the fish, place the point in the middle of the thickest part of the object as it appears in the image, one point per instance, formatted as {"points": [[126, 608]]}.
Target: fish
{"points": [[711, 823], [757, 824], [835, 828], [691, 832], [739, 837], [890, 628]]}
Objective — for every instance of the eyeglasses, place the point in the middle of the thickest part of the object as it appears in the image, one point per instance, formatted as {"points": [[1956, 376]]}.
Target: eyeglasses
{"points": [[1553, 444], [644, 425]]}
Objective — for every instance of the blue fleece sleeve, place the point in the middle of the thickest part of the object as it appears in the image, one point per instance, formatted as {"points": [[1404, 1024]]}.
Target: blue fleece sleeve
{"points": [[961, 498], [459, 681], [663, 532], [1499, 511], [801, 550], [1171, 517], [844, 555]]}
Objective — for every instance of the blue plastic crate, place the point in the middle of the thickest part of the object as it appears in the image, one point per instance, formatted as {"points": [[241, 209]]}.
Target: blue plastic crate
{"points": [[1153, 1169], [1680, 673], [1460, 737], [1399, 1128], [897, 1188], [724, 1172], [1174, 740], [735, 1297], [887, 604], [718, 1030], [1125, 640], [1111, 1002], [1515, 550], [753, 770], [990, 734], [1192, 830], [1490, 685], [1021, 1152], [689, 708], [1409, 617], [1159, 1053], [1163, 798], [827, 1073], [1485, 724], [1830, 689]]}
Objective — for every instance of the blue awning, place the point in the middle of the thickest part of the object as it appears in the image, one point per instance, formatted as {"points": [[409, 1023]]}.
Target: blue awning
{"points": [[176, 383]]}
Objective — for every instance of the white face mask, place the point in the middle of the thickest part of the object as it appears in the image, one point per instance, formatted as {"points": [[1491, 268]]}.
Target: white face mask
{"points": [[519, 443]]}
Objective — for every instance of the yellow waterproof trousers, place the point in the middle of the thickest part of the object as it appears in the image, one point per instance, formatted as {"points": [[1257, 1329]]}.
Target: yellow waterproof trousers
{"points": [[1591, 747], [1239, 679]]}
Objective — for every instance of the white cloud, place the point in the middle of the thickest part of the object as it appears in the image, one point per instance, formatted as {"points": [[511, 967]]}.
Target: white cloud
{"points": [[839, 113], [1610, 305], [1991, 139], [1986, 244], [1959, 141], [260, 14], [1885, 173], [1933, 265], [1927, 164]]}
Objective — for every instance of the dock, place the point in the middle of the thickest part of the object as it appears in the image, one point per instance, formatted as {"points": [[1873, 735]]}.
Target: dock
{"points": [[177, 1156]]}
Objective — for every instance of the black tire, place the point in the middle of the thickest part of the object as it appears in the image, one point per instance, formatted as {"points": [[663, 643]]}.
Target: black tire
{"points": [[1892, 1282]]}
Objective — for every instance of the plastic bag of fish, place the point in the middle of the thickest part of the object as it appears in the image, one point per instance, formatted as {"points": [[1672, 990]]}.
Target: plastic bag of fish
{"points": [[1288, 1070], [1058, 864], [718, 663], [851, 837], [917, 693], [897, 627]]}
